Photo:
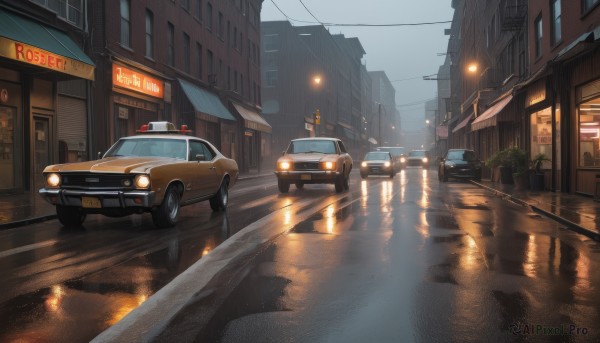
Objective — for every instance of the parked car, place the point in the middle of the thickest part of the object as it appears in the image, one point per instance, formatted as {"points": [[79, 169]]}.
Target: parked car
{"points": [[398, 156], [418, 158], [157, 171], [314, 160], [459, 164], [377, 163]]}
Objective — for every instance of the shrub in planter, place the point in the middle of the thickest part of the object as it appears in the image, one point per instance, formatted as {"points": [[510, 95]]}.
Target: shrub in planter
{"points": [[536, 177]]}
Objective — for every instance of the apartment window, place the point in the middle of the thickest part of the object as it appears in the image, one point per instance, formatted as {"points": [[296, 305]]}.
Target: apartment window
{"points": [[221, 26], [199, 9], [271, 42], [242, 84], [587, 5], [220, 69], [271, 78], [235, 81], [125, 23], [199, 54], [538, 36], [171, 45], [556, 27], [235, 38], [522, 61], [210, 65], [241, 41], [149, 34], [209, 22], [228, 77], [186, 52], [69, 10]]}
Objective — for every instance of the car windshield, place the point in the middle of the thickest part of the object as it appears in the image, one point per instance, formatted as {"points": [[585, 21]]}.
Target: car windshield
{"points": [[151, 147], [462, 155], [417, 153], [312, 146], [395, 151], [372, 156]]}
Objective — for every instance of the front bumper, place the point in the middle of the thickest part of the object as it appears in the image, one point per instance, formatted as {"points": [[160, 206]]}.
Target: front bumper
{"points": [[320, 176], [461, 172], [107, 199], [379, 170]]}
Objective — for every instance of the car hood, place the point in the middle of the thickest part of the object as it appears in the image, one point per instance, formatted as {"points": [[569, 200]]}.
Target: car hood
{"points": [[377, 161], [113, 165], [462, 163], [309, 157]]}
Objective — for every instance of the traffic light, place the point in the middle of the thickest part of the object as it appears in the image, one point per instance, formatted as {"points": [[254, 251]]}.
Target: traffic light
{"points": [[318, 117]]}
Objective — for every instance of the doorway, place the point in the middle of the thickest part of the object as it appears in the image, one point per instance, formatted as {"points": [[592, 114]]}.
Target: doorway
{"points": [[42, 148]]}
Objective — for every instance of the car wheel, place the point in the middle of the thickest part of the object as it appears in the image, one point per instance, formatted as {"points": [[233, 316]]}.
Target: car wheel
{"points": [[299, 185], [221, 199], [167, 213], [284, 186], [478, 177], [392, 175], [439, 175], [363, 175], [347, 181], [339, 183], [70, 216], [445, 177]]}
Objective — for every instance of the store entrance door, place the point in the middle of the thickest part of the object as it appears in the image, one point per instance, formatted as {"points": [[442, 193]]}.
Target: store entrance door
{"points": [[42, 149]]}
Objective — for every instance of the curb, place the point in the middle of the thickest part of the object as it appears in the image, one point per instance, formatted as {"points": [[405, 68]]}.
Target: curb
{"points": [[27, 221], [573, 226]]}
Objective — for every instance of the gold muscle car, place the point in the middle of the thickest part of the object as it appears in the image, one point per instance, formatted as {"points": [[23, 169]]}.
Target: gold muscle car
{"points": [[157, 171], [314, 160]]}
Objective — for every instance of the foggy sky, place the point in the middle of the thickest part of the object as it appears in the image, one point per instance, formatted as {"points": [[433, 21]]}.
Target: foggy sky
{"points": [[403, 52]]}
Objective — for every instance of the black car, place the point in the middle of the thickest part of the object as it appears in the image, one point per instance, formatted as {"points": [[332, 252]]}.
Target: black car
{"points": [[459, 164]]}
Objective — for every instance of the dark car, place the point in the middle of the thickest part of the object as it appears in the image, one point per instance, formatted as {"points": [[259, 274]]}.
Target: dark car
{"points": [[377, 163], [459, 164], [418, 158]]}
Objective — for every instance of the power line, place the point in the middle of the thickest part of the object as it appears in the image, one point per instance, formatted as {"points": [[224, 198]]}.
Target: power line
{"points": [[307, 10], [355, 24]]}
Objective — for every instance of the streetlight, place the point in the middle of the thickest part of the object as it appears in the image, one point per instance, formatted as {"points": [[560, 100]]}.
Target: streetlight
{"points": [[315, 84]]}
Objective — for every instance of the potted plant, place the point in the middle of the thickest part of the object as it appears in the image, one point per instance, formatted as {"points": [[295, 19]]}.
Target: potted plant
{"points": [[518, 159], [536, 177], [501, 167]]}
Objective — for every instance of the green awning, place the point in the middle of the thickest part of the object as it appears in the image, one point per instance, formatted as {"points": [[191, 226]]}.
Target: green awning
{"points": [[204, 101], [21, 37]]}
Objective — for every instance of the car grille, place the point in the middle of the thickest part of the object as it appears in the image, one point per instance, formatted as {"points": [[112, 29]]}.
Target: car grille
{"points": [[415, 162], [306, 165], [95, 180]]}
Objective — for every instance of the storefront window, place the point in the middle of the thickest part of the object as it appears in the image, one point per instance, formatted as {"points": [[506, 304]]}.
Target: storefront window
{"points": [[7, 147], [589, 133], [541, 134]]}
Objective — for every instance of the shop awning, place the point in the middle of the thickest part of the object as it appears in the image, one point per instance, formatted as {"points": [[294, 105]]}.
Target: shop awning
{"points": [[463, 123], [489, 117], [253, 120], [30, 42], [204, 101]]}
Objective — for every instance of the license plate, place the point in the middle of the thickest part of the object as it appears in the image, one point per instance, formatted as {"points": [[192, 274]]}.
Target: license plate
{"points": [[305, 177], [90, 202]]}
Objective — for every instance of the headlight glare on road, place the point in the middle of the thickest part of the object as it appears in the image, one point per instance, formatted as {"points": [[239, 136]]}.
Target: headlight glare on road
{"points": [[364, 164], [53, 180], [284, 165], [329, 165], [387, 164], [142, 181]]}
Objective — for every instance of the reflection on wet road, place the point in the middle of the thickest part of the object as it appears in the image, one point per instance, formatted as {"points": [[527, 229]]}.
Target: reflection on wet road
{"points": [[410, 259]]}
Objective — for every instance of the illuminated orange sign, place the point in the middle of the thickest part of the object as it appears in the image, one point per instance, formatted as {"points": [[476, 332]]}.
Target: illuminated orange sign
{"points": [[136, 81], [39, 57]]}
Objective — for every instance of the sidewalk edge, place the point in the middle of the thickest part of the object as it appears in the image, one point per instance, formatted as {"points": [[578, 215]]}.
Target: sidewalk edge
{"points": [[573, 226], [27, 221]]}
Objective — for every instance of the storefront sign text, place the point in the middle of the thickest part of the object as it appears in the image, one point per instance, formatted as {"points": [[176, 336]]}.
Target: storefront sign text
{"points": [[136, 81], [41, 58]]}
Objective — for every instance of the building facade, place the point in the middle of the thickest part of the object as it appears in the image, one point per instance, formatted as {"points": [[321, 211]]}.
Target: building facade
{"points": [[193, 62], [45, 79]]}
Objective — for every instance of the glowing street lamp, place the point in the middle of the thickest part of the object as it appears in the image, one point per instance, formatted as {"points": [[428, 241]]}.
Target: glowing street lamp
{"points": [[472, 68]]}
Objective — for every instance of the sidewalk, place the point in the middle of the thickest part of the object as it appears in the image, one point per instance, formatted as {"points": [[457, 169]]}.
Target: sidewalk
{"points": [[27, 208], [578, 212]]}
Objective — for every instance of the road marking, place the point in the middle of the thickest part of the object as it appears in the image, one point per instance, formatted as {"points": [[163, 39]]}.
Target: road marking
{"points": [[27, 248]]}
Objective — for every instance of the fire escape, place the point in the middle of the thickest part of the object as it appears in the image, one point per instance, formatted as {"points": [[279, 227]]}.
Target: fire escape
{"points": [[513, 14]]}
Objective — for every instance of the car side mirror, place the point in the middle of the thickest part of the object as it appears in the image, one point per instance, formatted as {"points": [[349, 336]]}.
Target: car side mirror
{"points": [[200, 157], [283, 153]]}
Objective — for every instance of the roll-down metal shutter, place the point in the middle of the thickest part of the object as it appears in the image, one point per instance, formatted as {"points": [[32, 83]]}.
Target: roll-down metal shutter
{"points": [[72, 123]]}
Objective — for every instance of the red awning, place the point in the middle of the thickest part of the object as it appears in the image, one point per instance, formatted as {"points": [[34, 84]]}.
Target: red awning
{"points": [[489, 117], [463, 123]]}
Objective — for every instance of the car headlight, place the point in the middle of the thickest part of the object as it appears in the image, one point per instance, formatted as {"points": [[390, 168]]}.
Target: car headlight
{"points": [[284, 165], [364, 164], [328, 165], [425, 160], [450, 164], [387, 164], [53, 180], [142, 181], [402, 160]]}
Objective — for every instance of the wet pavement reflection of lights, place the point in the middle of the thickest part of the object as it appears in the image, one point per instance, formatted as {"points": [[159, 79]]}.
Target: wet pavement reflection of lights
{"points": [[330, 218], [468, 260], [128, 303], [54, 300], [531, 257]]}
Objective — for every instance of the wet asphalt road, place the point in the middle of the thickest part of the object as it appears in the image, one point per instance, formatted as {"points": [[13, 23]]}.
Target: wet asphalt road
{"points": [[409, 259], [403, 259]]}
